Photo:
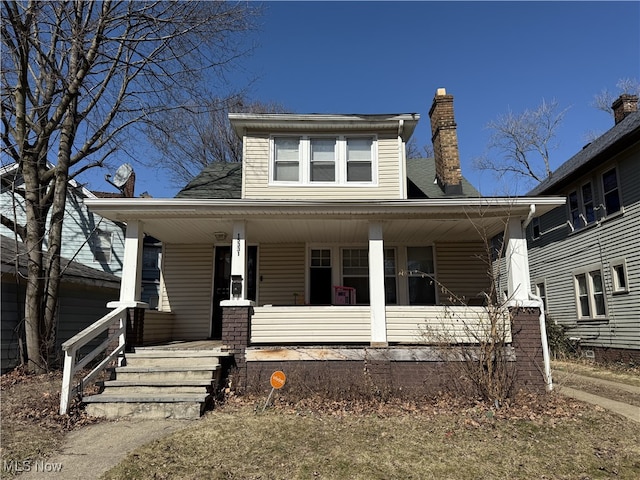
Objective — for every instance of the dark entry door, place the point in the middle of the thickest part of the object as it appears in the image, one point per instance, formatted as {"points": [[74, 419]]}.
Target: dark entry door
{"points": [[222, 283]]}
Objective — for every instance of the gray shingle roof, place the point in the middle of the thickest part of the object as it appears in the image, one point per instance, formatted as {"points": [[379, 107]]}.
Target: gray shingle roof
{"points": [[74, 272], [616, 139], [217, 180], [421, 173]]}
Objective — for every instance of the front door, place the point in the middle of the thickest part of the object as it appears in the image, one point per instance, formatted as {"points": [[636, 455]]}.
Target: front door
{"points": [[222, 283]]}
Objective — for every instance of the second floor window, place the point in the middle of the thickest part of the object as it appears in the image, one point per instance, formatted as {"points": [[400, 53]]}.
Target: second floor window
{"points": [[101, 246], [610, 191], [307, 160], [581, 206]]}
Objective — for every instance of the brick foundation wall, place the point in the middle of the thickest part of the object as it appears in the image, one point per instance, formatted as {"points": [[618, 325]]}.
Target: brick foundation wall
{"points": [[614, 355], [525, 330], [351, 379], [236, 327]]}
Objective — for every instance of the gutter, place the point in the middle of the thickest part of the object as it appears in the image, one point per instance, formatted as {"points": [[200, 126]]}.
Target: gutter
{"points": [[545, 344]]}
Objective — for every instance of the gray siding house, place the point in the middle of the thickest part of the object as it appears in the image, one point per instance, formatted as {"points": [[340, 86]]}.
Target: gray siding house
{"points": [[584, 256], [87, 238]]}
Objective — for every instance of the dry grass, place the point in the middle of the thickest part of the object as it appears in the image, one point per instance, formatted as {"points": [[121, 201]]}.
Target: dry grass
{"points": [[32, 429], [555, 439]]}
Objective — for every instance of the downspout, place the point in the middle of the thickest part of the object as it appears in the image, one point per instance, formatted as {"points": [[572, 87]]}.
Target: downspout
{"points": [[545, 344], [543, 326]]}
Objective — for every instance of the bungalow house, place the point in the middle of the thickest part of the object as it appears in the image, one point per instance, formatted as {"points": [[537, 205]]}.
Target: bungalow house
{"points": [[326, 254], [585, 256]]}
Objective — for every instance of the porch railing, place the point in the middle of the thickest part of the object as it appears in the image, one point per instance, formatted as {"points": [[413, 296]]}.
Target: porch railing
{"points": [[71, 348]]}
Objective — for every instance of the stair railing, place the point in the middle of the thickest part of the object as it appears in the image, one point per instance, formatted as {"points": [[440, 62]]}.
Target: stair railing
{"points": [[71, 348]]}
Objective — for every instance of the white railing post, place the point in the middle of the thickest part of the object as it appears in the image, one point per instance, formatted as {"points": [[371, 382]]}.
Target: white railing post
{"points": [[67, 375]]}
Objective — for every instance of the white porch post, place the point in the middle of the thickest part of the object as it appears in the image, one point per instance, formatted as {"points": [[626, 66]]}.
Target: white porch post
{"points": [[376, 286], [131, 283], [239, 258], [518, 281]]}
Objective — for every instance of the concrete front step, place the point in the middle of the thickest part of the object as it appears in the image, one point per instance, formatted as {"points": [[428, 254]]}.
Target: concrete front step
{"points": [[159, 383], [180, 406], [167, 373], [159, 358], [158, 387]]}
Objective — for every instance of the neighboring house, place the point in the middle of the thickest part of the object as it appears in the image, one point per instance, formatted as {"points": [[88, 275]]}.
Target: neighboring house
{"points": [[84, 294], [585, 256], [328, 252], [87, 238]]}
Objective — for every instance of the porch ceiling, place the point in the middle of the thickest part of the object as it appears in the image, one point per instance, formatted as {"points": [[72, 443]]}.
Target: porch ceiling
{"points": [[419, 222]]}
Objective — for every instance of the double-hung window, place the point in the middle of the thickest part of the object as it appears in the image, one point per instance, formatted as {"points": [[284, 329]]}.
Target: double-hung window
{"points": [[582, 206], [420, 267], [359, 159], [590, 294], [611, 191], [101, 246], [619, 276], [286, 159], [320, 159]]}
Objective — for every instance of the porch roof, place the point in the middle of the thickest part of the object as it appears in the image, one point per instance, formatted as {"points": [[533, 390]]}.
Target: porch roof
{"points": [[181, 220]]}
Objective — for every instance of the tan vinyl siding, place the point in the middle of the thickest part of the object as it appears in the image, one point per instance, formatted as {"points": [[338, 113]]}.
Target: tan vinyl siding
{"points": [[256, 175], [463, 270], [158, 327], [437, 324], [281, 273], [187, 289], [302, 324]]}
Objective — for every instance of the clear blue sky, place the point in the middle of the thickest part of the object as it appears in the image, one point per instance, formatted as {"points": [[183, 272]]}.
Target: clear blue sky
{"points": [[390, 57]]}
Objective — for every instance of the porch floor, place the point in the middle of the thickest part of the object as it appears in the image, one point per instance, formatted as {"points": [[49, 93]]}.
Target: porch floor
{"points": [[185, 345]]}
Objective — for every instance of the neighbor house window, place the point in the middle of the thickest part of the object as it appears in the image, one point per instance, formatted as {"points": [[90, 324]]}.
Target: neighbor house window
{"points": [[611, 192], [101, 246], [338, 160], [421, 276], [286, 159], [541, 291], [590, 294], [535, 228], [582, 206], [619, 276]]}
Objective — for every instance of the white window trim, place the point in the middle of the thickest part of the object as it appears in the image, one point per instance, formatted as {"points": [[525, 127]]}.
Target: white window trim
{"points": [[304, 155], [617, 289], [590, 292], [108, 235], [582, 212], [605, 214], [537, 283]]}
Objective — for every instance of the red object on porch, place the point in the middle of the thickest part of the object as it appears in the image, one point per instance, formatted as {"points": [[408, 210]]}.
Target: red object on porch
{"points": [[344, 295]]}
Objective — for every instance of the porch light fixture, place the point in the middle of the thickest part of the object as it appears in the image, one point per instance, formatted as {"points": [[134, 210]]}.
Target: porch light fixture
{"points": [[220, 236]]}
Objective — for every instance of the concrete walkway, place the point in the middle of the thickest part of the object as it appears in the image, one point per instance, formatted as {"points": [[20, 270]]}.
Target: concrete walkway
{"points": [[630, 411], [92, 450]]}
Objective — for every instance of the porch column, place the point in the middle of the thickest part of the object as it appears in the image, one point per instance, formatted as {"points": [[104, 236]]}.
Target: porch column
{"points": [[517, 262], [376, 286], [131, 283], [131, 287], [238, 259]]}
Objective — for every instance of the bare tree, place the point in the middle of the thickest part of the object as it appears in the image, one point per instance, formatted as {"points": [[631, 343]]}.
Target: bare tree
{"points": [[205, 135], [414, 151], [604, 99], [523, 142], [75, 77]]}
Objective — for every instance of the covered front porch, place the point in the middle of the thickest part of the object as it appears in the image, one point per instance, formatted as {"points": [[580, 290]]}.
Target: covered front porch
{"points": [[409, 263]]}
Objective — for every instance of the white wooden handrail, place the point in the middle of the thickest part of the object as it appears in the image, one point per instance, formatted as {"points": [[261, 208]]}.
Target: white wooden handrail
{"points": [[73, 345]]}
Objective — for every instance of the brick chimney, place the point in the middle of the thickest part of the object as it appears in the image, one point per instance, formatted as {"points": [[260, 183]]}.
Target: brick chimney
{"points": [[445, 143], [623, 106]]}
